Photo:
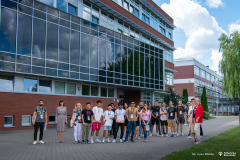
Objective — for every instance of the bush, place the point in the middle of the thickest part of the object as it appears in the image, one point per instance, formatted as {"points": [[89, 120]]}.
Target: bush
{"points": [[206, 115]]}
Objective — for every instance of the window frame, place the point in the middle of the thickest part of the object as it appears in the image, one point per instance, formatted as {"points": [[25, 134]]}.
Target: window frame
{"points": [[9, 125], [27, 124], [51, 122]]}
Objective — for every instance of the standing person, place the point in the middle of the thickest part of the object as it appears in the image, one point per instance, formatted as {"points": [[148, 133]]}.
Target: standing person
{"points": [[155, 118], [186, 114], [77, 122], [137, 124], [126, 120], [180, 116], [198, 120], [145, 119], [114, 121], [120, 114], [172, 118], [164, 118], [39, 117], [190, 117], [132, 116], [140, 128], [61, 120], [108, 120], [87, 118], [150, 107], [97, 119], [161, 132]]}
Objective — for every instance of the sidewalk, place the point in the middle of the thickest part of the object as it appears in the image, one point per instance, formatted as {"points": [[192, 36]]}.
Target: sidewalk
{"points": [[18, 144]]}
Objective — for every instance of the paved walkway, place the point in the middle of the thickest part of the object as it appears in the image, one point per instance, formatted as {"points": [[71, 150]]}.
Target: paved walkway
{"points": [[18, 144]]}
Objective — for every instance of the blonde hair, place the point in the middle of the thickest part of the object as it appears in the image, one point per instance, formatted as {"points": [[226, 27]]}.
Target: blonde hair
{"points": [[78, 104]]}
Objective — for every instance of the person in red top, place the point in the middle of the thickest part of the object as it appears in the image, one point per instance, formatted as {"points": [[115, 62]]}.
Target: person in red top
{"points": [[198, 120]]}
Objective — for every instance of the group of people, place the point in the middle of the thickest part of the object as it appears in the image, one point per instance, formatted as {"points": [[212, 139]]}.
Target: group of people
{"points": [[133, 120]]}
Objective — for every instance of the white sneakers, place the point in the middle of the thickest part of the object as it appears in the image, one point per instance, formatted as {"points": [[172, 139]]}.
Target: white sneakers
{"points": [[157, 134], [162, 135], [150, 134], [108, 141], [189, 137], [98, 141], [114, 141], [121, 140], [92, 141], [103, 141], [35, 142], [177, 134], [182, 134]]}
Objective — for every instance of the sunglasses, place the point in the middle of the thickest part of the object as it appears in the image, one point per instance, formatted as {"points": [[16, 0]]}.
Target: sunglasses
{"points": [[132, 103]]}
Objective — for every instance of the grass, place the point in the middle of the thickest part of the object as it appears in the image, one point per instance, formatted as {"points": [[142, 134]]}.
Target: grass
{"points": [[228, 141]]}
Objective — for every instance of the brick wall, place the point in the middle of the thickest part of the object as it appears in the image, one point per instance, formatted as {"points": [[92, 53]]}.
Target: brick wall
{"points": [[19, 104], [132, 95], [179, 88], [184, 72]]}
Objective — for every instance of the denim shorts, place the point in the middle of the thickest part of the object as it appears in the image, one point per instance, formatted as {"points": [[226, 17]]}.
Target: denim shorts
{"points": [[107, 128]]}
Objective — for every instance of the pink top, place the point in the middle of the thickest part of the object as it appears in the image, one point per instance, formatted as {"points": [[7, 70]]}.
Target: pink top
{"points": [[163, 116], [145, 116]]}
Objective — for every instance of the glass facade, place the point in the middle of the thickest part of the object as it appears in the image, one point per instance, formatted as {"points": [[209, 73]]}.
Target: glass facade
{"points": [[53, 43]]}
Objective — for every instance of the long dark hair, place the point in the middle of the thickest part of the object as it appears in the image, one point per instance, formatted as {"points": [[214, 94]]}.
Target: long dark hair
{"points": [[61, 102]]}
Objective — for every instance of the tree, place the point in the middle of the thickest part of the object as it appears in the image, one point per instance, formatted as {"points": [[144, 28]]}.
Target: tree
{"points": [[204, 102], [171, 96], [230, 64], [185, 96]]}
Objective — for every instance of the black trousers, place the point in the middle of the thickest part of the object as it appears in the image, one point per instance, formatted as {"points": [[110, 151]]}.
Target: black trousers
{"points": [[36, 127], [113, 128], [116, 130], [201, 131]]}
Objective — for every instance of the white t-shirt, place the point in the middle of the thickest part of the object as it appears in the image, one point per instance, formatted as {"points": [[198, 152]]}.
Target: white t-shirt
{"points": [[107, 115], [98, 112], [120, 114]]}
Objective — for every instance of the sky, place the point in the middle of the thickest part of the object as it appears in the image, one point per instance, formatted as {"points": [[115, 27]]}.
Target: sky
{"points": [[199, 24]]}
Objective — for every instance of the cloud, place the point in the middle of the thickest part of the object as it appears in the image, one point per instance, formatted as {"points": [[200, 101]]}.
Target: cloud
{"points": [[201, 29], [214, 3], [234, 27], [216, 58]]}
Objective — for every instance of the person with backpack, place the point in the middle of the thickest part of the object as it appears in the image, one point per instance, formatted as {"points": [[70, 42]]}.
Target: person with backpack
{"points": [[164, 118], [155, 118]]}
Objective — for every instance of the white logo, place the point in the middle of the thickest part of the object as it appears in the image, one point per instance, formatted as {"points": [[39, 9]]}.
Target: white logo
{"points": [[220, 153]]}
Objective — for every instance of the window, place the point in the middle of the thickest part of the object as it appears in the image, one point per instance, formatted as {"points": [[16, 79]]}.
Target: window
{"points": [[110, 92], [30, 85], [196, 70], [203, 74], [208, 76], [26, 120], [71, 88], [169, 78], [72, 9], [85, 90], [8, 121], [61, 4], [146, 97], [120, 2], [59, 87], [136, 13], [103, 92], [125, 5], [94, 20], [44, 86], [52, 119], [6, 82], [94, 91]]}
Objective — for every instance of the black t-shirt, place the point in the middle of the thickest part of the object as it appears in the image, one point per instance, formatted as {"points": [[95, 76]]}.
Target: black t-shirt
{"points": [[171, 112], [155, 110], [87, 115]]}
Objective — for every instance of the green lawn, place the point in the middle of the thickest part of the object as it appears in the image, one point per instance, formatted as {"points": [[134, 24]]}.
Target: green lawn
{"points": [[228, 141]]}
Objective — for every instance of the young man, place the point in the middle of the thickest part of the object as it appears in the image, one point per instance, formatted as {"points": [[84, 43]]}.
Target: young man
{"points": [[114, 121], [39, 117], [155, 118], [172, 118], [180, 116], [132, 116], [120, 117], [108, 120], [97, 119], [87, 118]]}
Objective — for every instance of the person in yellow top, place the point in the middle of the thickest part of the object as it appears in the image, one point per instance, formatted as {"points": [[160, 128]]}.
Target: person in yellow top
{"points": [[132, 116]]}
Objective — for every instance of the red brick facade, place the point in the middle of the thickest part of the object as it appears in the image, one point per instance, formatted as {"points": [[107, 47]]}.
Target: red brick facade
{"points": [[184, 72], [18, 104], [179, 88]]}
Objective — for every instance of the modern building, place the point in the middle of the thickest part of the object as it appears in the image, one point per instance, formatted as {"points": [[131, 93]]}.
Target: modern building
{"points": [[193, 75], [80, 51]]}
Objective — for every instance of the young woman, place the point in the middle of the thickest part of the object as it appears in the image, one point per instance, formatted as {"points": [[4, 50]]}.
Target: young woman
{"points": [[77, 122], [61, 120], [126, 121], [145, 117], [137, 124], [164, 114]]}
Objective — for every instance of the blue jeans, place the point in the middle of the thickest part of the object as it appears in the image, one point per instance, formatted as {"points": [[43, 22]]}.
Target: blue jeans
{"points": [[130, 128], [145, 132]]}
